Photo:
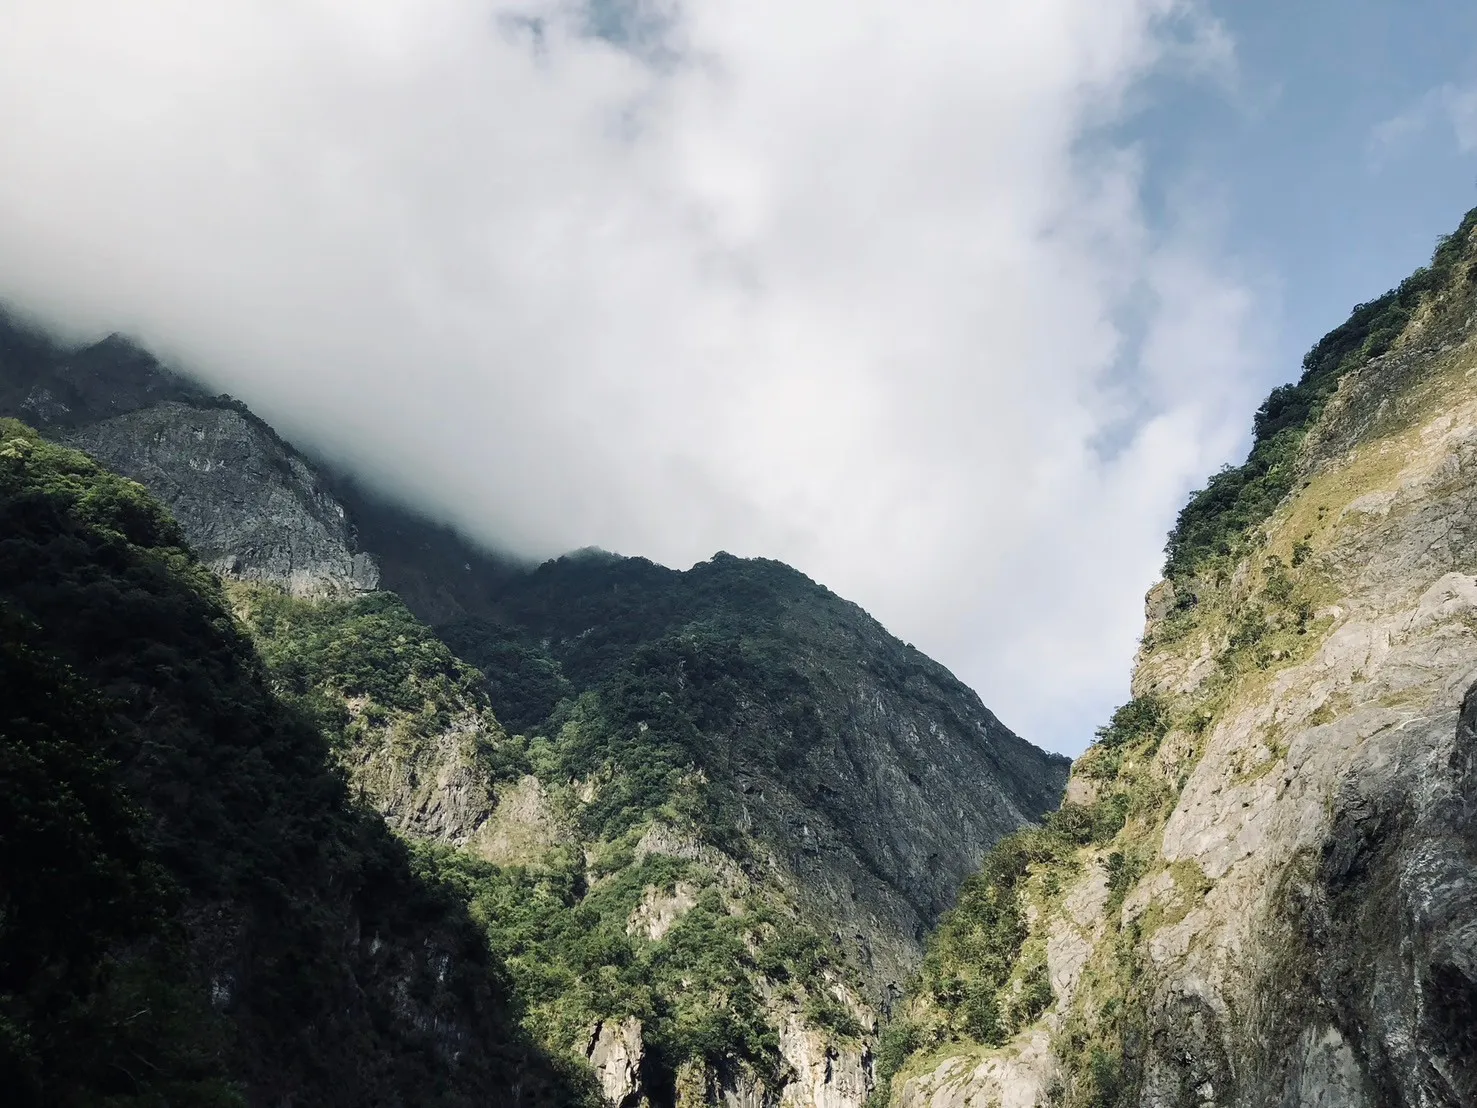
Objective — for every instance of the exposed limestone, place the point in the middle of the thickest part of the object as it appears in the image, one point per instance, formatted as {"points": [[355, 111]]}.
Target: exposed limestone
{"points": [[615, 1054], [823, 1074], [1325, 1073], [1071, 935], [522, 828], [658, 910], [436, 788], [816, 1071], [251, 506], [661, 838], [1017, 1076]]}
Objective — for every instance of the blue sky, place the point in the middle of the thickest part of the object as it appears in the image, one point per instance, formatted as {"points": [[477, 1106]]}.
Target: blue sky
{"points": [[1332, 153]]}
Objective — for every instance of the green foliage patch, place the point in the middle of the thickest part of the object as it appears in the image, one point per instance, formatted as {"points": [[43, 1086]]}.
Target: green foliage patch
{"points": [[575, 960], [975, 954], [699, 705], [369, 646], [93, 1006], [524, 680]]}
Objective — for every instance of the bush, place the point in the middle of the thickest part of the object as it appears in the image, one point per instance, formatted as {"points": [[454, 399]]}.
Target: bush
{"points": [[1141, 717]]}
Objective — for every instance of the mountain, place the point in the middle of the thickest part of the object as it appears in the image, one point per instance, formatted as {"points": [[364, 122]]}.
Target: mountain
{"points": [[703, 820], [1262, 886]]}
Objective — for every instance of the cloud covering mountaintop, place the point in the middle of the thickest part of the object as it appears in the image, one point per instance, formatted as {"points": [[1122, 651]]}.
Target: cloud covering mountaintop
{"points": [[868, 287]]}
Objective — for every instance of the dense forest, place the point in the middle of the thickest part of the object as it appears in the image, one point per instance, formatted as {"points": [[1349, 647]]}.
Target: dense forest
{"points": [[194, 911]]}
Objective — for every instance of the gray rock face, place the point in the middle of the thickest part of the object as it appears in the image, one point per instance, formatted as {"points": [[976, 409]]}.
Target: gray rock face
{"points": [[912, 782], [437, 787], [251, 507], [615, 1054], [1335, 960]]}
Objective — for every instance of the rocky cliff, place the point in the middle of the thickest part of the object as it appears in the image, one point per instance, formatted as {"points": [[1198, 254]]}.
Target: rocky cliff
{"points": [[1283, 909], [706, 818], [252, 506]]}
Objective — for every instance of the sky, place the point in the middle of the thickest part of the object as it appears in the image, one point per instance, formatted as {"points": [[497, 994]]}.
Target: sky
{"points": [[948, 304]]}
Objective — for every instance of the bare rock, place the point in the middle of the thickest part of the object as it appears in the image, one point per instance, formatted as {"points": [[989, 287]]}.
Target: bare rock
{"points": [[615, 1052], [659, 910]]}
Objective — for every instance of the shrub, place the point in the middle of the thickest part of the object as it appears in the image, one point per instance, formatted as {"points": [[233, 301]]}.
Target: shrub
{"points": [[1143, 716]]}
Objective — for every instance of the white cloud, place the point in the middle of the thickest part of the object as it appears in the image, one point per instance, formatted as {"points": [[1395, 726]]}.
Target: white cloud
{"points": [[1449, 106], [865, 286]]}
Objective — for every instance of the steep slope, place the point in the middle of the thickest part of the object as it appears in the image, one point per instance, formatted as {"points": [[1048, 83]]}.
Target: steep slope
{"points": [[875, 775], [1283, 908], [730, 806], [192, 910]]}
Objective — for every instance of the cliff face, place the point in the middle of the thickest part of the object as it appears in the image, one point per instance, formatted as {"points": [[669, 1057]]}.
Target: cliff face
{"points": [[1288, 914], [721, 810], [252, 507]]}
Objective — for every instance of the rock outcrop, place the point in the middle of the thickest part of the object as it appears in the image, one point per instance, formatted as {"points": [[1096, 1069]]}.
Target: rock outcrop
{"points": [[251, 506], [615, 1053], [823, 1074]]}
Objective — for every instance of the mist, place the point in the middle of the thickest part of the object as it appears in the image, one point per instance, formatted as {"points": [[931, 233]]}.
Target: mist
{"points": [[871, 288]]}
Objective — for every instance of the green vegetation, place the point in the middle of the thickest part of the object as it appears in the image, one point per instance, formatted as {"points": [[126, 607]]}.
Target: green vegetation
{"points": [[370, 646], [681, 713], [364, 668], [1141, 717], [974, 958], [219, 871], [645, 744], [575, 959], [899, 1040], [984, 976], [669, 719], [522, 678], [78, 1024], [594, 610], [1215, 521]]}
